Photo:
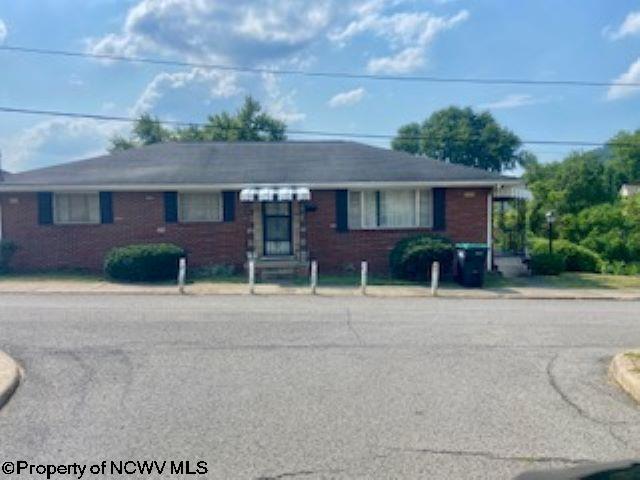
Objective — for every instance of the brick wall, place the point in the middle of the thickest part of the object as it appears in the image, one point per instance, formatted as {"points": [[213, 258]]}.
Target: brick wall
{"points": [[466, 221], [138, 218]]}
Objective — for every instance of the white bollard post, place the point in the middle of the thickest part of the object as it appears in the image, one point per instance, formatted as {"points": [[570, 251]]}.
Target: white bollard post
{"points": [[314, 276], [252, 276], [435, 278], [182, 274], [363, 277]]}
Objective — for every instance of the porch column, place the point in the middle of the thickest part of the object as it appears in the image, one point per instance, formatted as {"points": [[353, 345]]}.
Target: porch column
{"points": [[251, 247]]}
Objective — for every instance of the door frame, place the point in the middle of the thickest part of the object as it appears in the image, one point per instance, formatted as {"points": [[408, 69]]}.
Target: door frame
{"points": [[264, 229]]}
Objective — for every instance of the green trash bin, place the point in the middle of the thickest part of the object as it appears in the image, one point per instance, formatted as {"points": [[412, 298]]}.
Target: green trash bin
{"points": [[470, 263]]}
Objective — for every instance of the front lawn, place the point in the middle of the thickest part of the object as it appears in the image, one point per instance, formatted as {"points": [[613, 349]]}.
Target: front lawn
{"points": [[566, 280], [54, 275]]}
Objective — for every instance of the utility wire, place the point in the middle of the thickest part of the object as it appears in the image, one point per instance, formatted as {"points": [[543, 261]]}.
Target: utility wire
{"points": [[310, 73], [321, 133]]}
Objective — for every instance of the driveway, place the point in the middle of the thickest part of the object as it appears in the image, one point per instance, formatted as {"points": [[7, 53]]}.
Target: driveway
{"points": [[302, 387]]}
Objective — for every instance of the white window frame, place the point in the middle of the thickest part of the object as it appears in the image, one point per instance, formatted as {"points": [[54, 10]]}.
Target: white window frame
{"points": [[56, 209], [220, 218], [416, 225]]}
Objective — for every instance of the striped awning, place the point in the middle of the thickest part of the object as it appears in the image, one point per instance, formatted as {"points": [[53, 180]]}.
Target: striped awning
{"points": [[276, 194]]}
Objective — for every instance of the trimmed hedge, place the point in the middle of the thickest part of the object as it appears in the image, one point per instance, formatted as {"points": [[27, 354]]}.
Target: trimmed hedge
{"points": [[547, 263], [576, 257], [143, 263], [7, 249], [411, 257]]}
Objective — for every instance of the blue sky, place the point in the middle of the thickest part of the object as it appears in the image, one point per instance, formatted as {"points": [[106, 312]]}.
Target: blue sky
{"points": [[534, 39]]}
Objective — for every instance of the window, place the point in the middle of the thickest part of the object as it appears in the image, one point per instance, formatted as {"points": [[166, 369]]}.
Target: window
{"points": [[76, 208], [200, 207], [395, 208]]}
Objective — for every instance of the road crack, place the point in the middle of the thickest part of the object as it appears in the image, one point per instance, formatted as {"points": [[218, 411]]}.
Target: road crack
{"points": [[496, 457], [352, 328], [300, 473], [553, 382]]}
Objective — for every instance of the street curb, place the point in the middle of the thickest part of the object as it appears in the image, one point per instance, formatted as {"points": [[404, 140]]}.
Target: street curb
{"points": [[10, 375], [622, 372]]}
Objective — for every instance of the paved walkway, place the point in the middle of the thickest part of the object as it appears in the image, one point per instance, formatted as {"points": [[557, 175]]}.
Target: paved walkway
{"points": [[204, 288]]}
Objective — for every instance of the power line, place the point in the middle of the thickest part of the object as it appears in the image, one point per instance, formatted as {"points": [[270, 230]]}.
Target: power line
{"points": [[321, 133], [310, 73]]}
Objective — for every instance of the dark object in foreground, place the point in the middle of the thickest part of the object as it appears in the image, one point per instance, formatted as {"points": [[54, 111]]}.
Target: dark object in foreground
{"points": [[470, 263], [625, 470]]}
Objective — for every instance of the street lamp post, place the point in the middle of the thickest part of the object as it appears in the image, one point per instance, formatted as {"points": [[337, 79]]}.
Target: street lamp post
{"points": [[551, 218]]}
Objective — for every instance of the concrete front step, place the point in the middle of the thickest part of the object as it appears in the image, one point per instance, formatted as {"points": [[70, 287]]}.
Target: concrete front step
{"points": [[280, 268]]}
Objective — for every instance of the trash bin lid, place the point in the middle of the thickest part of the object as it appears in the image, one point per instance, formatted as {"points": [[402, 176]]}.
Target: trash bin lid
{"points": [[471, 246]]}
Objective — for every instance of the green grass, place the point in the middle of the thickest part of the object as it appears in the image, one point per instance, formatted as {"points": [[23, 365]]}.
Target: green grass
{"points": [[53, 275], [351, 280], [236, 278], [492, 280], [569, 280]]}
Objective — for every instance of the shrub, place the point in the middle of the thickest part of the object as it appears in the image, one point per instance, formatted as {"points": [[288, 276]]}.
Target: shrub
{"points": [[621, 268], [7, 249], [547, 263], [411, 258], [143, 263], [577, 258]]}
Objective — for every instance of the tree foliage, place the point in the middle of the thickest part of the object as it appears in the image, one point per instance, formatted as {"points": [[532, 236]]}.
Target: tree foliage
{"points": [[583, 191], [460, 135], [249, 123]]}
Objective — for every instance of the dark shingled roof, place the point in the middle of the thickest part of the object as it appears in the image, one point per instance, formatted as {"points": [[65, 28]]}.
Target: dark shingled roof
{"points": [[247, 163]]}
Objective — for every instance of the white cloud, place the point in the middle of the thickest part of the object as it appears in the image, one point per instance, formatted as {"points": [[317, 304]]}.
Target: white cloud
{"points": [[58, 140], [239, 32], [409, 34], [196, 85], [348, 98], [630, 26], [281, 105], [405, 61], [513, 100], [632, 75], [3, 31]]}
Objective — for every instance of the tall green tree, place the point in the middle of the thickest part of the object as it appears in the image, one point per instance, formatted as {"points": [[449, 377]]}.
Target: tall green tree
{"points": [[567, 187], [249, 123], [624, 161], [408, 138], [460, 135]]}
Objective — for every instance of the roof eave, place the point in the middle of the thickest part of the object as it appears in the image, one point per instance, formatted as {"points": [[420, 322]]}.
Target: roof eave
{"points": [[151, 187]]}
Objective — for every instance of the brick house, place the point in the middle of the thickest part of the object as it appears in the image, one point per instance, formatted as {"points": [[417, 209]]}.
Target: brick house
{"points": [[281, 203]]}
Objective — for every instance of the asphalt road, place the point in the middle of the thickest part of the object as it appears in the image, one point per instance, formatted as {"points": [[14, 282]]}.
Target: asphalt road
{"points": [[302, 387]]}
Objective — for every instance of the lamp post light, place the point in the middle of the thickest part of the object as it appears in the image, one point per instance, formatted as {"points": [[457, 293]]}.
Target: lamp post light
{"points": [[551, 218]]}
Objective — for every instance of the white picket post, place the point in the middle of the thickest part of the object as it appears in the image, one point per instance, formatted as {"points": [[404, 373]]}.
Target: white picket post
{"points": [[252, 276], [435, 278], [363, 277], [182, 274], [314, 276]]}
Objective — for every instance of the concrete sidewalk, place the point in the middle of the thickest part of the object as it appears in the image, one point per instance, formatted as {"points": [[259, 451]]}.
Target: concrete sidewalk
{"points": [[205, 288]]}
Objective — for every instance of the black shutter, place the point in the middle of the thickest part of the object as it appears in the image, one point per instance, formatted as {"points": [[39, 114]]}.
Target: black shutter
{"points": [[228, 206], [106, 207], [170, 207], [45, 208], [439, 209], [342, 210]]}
